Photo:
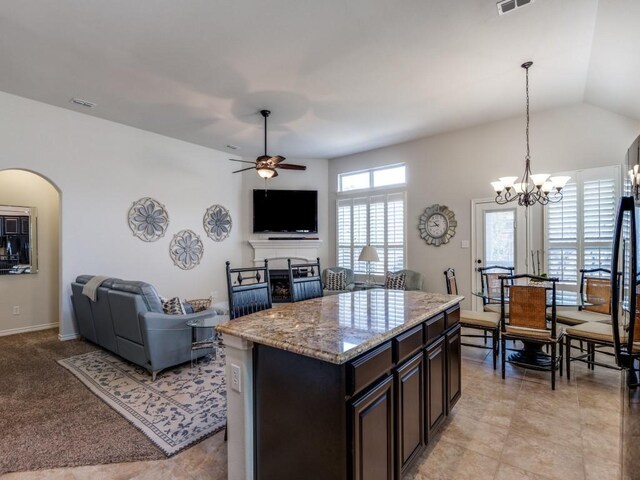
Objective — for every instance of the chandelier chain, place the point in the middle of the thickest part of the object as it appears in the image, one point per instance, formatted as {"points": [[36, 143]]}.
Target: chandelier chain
{"points": [[527, 88]]}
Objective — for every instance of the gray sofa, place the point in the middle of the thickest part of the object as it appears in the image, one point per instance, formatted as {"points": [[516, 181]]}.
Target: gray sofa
{"points": [[128, 320]]}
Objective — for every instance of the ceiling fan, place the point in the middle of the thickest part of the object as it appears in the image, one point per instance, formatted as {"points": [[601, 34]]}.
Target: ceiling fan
{"points": [[266, 165]]}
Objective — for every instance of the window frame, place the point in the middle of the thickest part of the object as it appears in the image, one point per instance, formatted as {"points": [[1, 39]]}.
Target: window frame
{"points": [[371, 186]]}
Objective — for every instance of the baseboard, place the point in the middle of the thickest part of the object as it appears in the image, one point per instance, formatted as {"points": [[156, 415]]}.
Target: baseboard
{"points": [[68, 336], [33, 328]]}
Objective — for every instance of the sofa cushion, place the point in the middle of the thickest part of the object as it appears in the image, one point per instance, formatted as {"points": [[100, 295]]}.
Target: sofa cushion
{"points": [[108, 283], [145, 290], [395, 281], [336, 280]]}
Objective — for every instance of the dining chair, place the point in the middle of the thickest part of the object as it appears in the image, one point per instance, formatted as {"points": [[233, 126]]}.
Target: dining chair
{"points": [[249, 291], [490, 284], [595, 289], [528, 323], [596, 333], [486, 322], [304, 280]]}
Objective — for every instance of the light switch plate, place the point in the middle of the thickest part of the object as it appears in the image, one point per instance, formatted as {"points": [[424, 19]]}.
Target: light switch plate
{"points": [[235, 378]]}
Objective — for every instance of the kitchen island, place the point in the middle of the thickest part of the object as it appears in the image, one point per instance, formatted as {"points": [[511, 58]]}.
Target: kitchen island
{"points": [[350, 386]]}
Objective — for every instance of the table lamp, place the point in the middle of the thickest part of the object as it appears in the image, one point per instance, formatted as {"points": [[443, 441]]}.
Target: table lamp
{"points": [[369, 254]]}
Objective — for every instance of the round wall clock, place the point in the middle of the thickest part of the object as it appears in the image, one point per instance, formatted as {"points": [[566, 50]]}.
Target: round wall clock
{"points": [[437, 225]]}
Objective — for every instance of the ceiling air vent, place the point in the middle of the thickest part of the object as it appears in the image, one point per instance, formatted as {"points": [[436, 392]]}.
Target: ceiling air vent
{"points": [[82, 103], [507, 6]]}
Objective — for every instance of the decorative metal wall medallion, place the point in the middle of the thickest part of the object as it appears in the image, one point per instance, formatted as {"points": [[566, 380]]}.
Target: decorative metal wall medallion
{"points": [[437, 225], [148, 219], [217, 223], [186, 249]]}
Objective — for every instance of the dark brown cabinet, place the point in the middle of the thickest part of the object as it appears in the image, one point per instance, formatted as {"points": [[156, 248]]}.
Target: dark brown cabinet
{"points": [[366, 419], [454, 367], [410, 410], [373, 434], [436, 384]]}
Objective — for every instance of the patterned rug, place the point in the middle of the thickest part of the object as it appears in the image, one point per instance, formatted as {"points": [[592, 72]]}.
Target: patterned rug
{"points": [[183, 406]]}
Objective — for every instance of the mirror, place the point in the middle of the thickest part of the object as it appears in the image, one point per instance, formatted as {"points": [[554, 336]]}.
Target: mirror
{"points": [[18, 242]]}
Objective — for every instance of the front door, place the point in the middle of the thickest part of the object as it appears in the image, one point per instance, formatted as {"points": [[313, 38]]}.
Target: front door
{"points": [[499, 239]]}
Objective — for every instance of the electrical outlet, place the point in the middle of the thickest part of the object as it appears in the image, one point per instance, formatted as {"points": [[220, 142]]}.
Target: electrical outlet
{"points": [[235, 378], [464, 244], [16, 310]]}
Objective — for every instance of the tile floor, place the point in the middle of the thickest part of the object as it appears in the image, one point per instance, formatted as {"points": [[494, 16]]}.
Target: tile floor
{"points": [[504, 430]]}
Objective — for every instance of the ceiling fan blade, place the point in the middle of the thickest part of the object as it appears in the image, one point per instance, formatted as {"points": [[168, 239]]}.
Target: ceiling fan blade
{"points": [[244, 169], [275, 174], [290, 166], [243, 161], [277, 159]]}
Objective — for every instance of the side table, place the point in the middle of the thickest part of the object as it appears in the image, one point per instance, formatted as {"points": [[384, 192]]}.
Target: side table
{"points": [[205, 322]]}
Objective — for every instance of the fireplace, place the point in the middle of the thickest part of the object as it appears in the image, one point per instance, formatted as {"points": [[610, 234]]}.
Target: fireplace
{"points": [[279, 280]]}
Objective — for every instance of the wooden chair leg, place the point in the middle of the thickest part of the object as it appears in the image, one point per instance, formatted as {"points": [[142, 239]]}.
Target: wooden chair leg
{"points": [[553, 366], [485, 337], [560, 351]]}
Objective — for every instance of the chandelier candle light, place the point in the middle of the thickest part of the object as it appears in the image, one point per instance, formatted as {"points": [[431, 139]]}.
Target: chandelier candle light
{"points": [[540, 188]]}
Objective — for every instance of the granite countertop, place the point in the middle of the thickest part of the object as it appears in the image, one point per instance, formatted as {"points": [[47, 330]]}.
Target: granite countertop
{"points": [[338, 328]]}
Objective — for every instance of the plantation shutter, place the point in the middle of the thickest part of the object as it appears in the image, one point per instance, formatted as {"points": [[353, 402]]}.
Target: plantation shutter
{"points": [[562, 235], [377, 220]]}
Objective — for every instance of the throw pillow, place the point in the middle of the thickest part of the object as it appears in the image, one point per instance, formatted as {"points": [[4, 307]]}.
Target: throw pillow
{"points": [[173, 306], [200, 304], [395, 281], [336, 280]]}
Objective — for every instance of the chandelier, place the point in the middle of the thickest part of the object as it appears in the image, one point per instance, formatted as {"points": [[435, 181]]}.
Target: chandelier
{"points": [[540, 188], [634, 173]]}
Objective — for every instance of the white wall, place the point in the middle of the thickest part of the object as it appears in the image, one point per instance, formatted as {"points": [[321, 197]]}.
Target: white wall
{"points": [[36, 295], [454, 168], [101, 167]]}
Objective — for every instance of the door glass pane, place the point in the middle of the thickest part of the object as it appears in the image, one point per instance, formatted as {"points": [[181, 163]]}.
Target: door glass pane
{"points": [[499, 238]]}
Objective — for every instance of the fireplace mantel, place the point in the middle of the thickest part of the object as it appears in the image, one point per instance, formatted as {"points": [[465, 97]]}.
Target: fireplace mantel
{"points": [[277, 251]]}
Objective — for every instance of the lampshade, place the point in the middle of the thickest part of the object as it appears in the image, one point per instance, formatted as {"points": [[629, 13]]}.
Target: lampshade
{"points": [[369, 254], [266, 172]]}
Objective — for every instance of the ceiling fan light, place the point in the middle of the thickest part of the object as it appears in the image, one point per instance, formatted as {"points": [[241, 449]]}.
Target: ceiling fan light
{"points": [[266, 172]]}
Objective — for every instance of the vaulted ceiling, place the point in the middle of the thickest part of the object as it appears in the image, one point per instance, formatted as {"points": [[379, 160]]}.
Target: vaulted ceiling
{"points": [[340, 76]]}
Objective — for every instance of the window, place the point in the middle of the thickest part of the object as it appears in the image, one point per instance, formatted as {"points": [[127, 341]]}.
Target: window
{"points": [[579, 229], [374, 178], [374, 217]]}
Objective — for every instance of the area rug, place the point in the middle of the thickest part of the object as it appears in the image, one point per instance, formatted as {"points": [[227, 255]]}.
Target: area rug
{"points": [[184, 404]]}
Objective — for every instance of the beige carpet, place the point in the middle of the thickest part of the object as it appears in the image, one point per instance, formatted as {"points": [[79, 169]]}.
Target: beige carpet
{"points": [[48, 418]]}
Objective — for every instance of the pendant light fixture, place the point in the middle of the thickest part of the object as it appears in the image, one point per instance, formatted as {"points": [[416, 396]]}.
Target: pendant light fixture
{"points": [[539, 188]]}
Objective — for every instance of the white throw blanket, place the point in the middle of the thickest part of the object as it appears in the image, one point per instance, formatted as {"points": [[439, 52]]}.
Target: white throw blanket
{"points": [[90, 289]]}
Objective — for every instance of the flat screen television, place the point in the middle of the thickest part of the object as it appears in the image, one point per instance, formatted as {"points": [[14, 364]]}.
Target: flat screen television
{"points": [[285, 211]]}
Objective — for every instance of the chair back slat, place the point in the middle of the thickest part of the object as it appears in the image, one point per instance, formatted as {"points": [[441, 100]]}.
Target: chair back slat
{"points": [[452, 284], [246, 298], [598, 291], [304, 280], [490, 282], [528, 307]]}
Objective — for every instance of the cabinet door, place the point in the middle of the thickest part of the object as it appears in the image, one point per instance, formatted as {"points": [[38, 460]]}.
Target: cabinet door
{"points": [[436, 384], [24, 225], [454, 370], [410, 408], [373, 448]]}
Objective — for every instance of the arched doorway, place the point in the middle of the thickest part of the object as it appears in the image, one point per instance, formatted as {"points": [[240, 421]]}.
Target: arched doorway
{"points": [[30, 301]]}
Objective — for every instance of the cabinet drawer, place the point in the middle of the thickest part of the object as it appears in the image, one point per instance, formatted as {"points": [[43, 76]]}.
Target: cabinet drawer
{"points": [[434, 327], [369, 367], [453, 316], [407, 343]]}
